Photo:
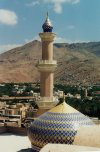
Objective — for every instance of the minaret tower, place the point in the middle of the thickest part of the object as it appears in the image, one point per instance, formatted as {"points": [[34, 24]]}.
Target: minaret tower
{"points": [[46, 67]]}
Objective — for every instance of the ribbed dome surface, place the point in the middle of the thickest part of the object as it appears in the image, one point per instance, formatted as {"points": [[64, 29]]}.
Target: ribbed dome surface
{"points": [[59, 125]]}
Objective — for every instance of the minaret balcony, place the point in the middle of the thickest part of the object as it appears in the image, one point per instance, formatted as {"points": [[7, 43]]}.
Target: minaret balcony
{"points": [[47, 65], [47, 102], [47, 36]]}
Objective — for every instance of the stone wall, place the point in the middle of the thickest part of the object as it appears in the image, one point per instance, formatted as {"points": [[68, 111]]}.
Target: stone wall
{"points": [[17, 130], [3, 130], [13, 130]]}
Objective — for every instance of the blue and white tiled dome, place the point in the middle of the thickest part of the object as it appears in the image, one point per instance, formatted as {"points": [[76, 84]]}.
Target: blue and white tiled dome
{"points": [[59, 125]]}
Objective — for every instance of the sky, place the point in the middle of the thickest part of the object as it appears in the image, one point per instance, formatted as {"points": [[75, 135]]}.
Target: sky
{"points": [[73, 21]]}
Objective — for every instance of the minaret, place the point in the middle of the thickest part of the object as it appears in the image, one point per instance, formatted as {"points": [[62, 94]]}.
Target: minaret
{"points": [[46, 67]]}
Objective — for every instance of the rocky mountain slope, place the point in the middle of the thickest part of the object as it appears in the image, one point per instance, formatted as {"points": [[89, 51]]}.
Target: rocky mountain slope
{"points": [[77, 63]]}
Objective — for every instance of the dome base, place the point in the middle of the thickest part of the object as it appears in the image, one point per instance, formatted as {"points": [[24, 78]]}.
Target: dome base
{"points": [[47, 102], [41, 111]]}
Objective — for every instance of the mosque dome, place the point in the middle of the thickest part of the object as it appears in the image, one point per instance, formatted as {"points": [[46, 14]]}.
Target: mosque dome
{"points": [[47, 26], [58, 125]]}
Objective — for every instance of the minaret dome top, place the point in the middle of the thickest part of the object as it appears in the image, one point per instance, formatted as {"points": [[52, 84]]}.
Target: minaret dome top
{"points": [[47, 26]]}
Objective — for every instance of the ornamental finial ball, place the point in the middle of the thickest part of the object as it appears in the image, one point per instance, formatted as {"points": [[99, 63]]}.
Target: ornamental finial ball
{"points": [[47, 26]]}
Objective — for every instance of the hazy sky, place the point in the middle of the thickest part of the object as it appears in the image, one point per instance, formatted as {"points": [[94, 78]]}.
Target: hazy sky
{"points": [[73, 20]]}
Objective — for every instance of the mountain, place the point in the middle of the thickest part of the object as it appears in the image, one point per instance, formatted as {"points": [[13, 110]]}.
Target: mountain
{"points": [[92, 47], [78, 63]]}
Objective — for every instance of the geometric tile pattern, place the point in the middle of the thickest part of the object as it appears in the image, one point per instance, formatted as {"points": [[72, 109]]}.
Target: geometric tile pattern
{"points": [[56, 128]]}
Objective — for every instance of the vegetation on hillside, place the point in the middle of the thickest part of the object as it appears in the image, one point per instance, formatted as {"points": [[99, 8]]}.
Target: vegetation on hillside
{"points": [[93, 47]]}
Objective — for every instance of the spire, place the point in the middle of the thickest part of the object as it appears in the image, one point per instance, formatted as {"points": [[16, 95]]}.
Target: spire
{"points": [[47, 26], [64, 97], [47, 16]]}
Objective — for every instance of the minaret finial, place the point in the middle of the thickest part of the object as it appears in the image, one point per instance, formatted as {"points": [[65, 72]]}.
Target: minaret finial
{"points": [[47, 26], [47, 15], [64, 97]]}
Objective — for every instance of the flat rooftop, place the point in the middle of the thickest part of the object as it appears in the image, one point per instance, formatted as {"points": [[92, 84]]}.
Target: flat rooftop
{"points": [[68, 148], [13, 143]]}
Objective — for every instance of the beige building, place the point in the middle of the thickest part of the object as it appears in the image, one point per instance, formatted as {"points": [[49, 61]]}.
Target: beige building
{"points": [[2, 105], [14, 110], [77, 96]]}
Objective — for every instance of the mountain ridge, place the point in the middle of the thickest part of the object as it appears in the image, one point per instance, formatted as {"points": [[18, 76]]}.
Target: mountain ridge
{"points": [[77, 63]]}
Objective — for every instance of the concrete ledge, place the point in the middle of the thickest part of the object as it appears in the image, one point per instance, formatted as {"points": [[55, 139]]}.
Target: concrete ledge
{"points": [[67, 148], [88, 136]]}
